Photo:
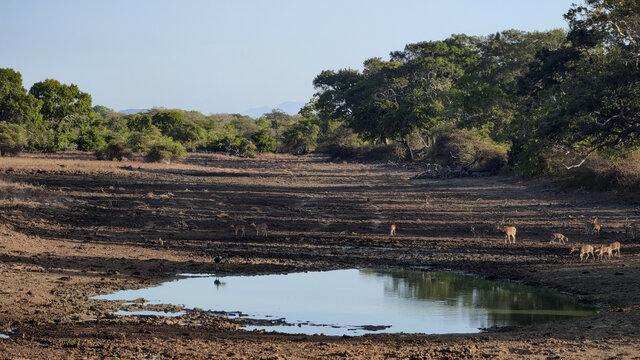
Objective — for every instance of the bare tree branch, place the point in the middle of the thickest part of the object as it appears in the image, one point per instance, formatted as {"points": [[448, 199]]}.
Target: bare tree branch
{"points": [[621, 114]]}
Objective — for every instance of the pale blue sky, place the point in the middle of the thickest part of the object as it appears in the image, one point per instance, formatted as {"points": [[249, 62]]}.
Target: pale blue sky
{"points": [[228, 56]]}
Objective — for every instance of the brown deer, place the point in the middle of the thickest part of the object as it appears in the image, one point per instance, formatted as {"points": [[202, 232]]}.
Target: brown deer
{"points": [[561, 238], [604, 249], [238, 229], [260, 229], [615, 246], [509, 233], [393, 230], [592, 227], [585, 250]]}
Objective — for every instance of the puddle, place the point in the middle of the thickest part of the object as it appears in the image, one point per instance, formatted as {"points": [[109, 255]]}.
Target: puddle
{"points": [[363, 301], [149, 313]]}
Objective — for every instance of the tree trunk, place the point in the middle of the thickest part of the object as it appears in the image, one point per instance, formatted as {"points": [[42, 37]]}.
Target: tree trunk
{"points": [[407, 149]]}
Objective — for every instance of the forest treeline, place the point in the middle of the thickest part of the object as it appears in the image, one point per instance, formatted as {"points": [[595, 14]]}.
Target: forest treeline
{"points": [[559, 102]]}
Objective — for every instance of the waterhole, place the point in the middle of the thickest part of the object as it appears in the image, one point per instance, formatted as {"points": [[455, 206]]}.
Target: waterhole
{"points": [[361, 301]]}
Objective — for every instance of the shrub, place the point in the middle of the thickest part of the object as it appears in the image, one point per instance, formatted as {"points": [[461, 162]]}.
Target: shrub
{"points": [[90, 140], [232, 144], [189, 134], [141, 141], [264, 142], [13, 138], [599, 173], [114, 150], [301, 137], [164, 150], [463, 147]]}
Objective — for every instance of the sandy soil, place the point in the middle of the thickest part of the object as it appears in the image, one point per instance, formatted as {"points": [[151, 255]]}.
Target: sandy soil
{"points": [[72, 227]]}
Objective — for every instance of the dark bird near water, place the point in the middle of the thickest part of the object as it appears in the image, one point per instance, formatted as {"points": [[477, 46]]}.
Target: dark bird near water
{"points": [[218, 258]]}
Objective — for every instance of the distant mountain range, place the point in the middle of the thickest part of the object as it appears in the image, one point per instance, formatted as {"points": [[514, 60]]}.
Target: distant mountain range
{"points": [[290, 107], [132, 111]]}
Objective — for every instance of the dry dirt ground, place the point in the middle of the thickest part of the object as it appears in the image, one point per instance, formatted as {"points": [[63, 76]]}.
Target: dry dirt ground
{"points": [[72, 227]]}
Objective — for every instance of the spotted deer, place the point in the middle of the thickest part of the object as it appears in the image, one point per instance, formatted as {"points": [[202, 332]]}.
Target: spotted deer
{"points": [[238, 229], [584, 250], [561, 238], [592, 227], [604, 249], [509, 233], [260, 229], [615, 246]]}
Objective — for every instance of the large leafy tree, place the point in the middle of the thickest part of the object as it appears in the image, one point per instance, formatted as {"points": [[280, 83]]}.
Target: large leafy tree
{"points": [[61, 100], [584, 98], [19, 107], [64, 107], [165, 120], [489, 89], [394, 99]]}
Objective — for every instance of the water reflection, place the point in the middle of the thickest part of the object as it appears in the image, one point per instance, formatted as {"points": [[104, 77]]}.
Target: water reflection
{"points": [[356, 302], [506, 303]]}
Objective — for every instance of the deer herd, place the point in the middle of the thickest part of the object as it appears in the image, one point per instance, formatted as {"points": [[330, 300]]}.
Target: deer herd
{"points": [[591, 227]]}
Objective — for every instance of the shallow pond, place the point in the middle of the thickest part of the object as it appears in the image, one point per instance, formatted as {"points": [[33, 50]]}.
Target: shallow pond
{"points": [[361, 301]]}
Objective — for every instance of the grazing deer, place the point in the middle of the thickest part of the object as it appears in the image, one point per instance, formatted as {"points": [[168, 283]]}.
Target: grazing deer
{"points": [[393, 230], [260, 229], [479, 231], [584, 250], [509, 233], [238, 229], [604, 250], [615, 246], [561, 238]]}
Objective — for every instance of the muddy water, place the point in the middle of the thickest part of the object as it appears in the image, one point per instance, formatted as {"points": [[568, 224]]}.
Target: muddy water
{"points": [[361, 301]]}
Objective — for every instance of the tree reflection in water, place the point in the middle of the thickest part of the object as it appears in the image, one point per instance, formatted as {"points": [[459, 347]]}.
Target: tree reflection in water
{"points": [[506, 303]]}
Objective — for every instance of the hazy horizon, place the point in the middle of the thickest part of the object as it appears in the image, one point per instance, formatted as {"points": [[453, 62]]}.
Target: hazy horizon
{"points": [[217, 57]]}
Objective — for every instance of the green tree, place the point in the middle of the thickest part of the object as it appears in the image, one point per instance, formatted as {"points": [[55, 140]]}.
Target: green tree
{"points": [[301, 137], [139, 122], [398, 98], [278, 120], [19, 107], [104, 111], [165, 120], [584, 98], [13, 138], [165, 149], [264, 142], [62, 107], [90, 139], [189, 134]]}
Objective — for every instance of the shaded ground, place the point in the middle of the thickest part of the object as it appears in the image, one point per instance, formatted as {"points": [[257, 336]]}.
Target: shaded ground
{"points": [[72, 227]]}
